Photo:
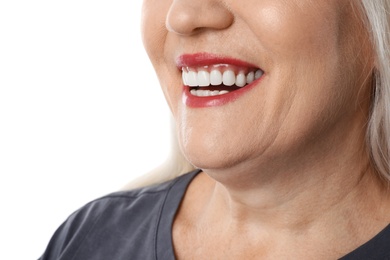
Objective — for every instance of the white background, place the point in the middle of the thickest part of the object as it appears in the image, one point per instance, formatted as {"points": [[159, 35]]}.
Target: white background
{"points": [[81, 112]]}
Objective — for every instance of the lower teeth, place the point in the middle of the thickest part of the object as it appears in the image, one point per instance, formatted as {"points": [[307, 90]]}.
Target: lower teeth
{"points": [[207, 93]]}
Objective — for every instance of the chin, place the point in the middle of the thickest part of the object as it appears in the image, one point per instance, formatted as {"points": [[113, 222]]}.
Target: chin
{"points": [[212, 158]]}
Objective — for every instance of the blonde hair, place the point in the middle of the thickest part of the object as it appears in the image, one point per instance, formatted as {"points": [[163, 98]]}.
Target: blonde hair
{"points": [[376, 14], [378, 133], [175, 165]]}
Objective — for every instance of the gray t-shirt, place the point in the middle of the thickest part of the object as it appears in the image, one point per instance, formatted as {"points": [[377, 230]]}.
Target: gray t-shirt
{"points": [[137, 224]]}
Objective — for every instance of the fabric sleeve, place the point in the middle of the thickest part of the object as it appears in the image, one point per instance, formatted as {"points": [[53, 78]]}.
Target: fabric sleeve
{"points": [[70, 235]]}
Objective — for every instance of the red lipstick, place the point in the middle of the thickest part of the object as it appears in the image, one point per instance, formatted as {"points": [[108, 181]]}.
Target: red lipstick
{"points": [[200, 60], [205, 59]]}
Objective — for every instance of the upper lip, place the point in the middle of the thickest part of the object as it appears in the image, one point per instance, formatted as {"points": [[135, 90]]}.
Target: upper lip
{"points": [[206, 59]]}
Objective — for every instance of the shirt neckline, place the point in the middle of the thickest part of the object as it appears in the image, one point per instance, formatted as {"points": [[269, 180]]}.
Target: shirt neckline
{"points": [[164, 245], [377, 247]]}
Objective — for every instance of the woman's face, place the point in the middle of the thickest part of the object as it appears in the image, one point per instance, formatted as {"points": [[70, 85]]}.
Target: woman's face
{"points": [[298, 69]]}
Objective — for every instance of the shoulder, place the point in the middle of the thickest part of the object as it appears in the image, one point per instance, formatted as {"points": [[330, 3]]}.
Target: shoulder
{"points": [[120, 218]]}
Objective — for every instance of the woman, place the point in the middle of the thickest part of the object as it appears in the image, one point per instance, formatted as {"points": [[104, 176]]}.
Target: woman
{"points": [[283, 105]]}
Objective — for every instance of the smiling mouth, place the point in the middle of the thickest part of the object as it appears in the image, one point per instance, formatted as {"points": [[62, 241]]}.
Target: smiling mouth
{"points": [[218, 79]]}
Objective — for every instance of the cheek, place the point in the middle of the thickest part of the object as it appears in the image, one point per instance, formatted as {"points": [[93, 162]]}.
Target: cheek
{"points": [[287, 28], [153, 28]]}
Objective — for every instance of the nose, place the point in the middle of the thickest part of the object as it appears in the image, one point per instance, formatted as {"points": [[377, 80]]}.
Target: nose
{"points": [[187, 17]]}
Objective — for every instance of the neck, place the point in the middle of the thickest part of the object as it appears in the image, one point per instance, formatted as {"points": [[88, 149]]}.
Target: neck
{"points": [[336, 215], [294, 203], [324, 188]]}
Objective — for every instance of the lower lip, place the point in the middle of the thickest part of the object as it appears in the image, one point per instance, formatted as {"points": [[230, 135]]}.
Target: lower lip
{"points": [[213, 101]]}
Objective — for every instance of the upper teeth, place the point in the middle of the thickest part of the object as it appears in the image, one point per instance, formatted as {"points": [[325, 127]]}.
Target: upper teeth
{"points": [[203, 78]]}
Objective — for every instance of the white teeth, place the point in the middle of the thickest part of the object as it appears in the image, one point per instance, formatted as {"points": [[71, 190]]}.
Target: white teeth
{"points": [[192, 79], [184, 76], [258, 74], [203, 78], [215, 77], [250, 77], [207, 93], [228, 78], [240, 80]]}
